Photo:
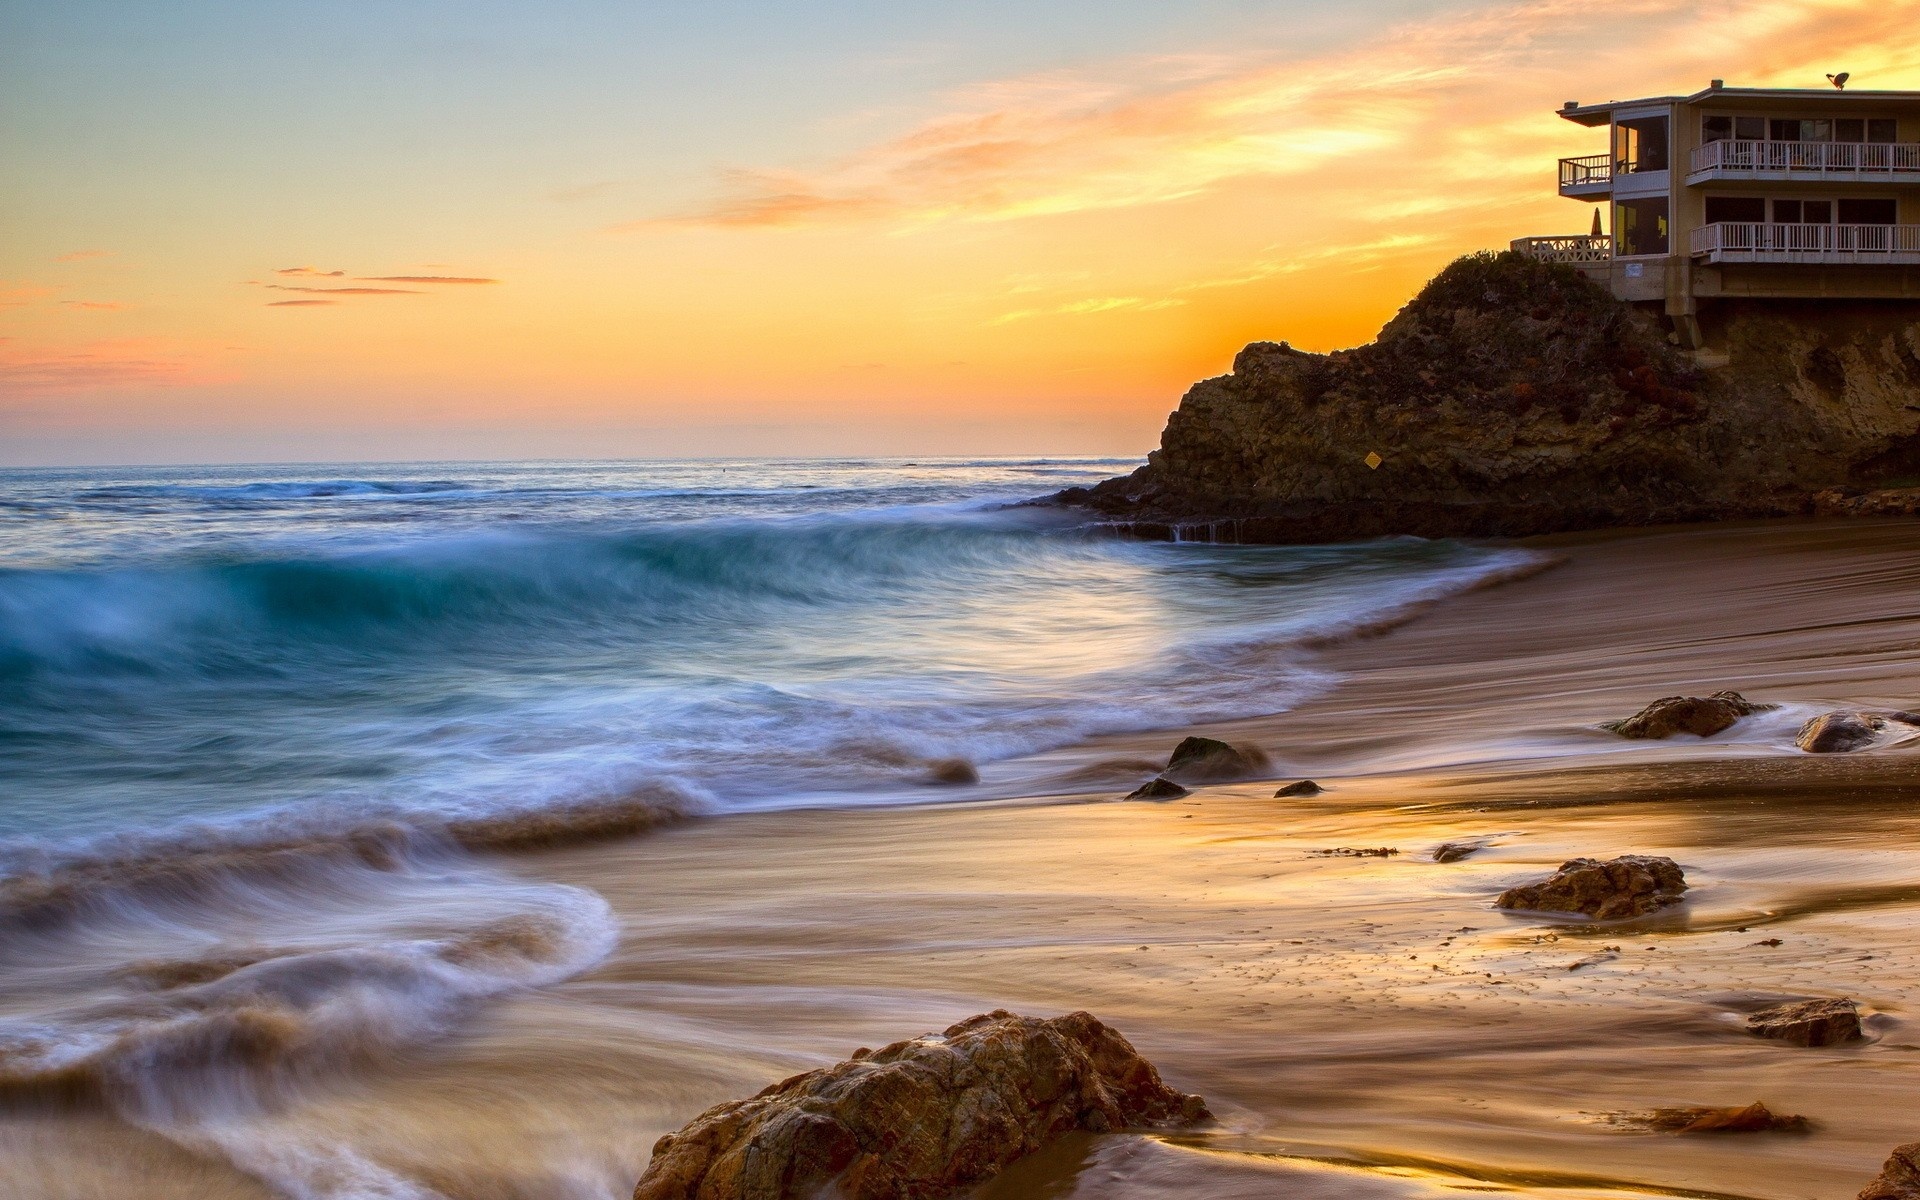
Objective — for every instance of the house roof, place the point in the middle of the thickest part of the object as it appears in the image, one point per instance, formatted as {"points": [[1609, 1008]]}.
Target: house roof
{"points": [[1726, 97]]}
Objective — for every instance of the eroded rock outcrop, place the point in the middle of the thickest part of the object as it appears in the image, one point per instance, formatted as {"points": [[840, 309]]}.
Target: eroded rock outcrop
{"points": [[1702, 716], [1305, 787], [1515, 397], [1809, 1022], [1158, 789], [1899, 1179], [1751, 1118], [919, 1119], [1632, 885]]}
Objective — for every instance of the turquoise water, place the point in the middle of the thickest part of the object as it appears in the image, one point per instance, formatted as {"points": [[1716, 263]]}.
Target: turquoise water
{"points": [[207, 652]]}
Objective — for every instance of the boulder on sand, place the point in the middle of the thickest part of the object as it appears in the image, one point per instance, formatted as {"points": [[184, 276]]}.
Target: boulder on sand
{"points": [[1632, 885], [1702, 716], [1809, 1022], [1306, 787], [1754, 1118], [1899, 1179], [1209, 760], [1158, 789], [952, 771], [919, 1119], [1839, 732]]}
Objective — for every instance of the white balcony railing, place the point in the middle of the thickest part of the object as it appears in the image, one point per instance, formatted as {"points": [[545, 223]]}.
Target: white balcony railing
{"points": [[1594, 170], [1749, 241], [1847, 160], [1578, 248]]}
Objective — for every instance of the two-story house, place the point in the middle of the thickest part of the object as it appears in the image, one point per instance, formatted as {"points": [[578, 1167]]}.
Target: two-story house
{"points": [[1751, 193]]}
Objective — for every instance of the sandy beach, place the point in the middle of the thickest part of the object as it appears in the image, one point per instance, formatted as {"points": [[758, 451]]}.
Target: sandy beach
{"points": [[1363, 1026]]}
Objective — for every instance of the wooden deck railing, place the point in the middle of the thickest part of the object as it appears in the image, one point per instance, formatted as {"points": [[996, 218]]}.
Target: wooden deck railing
{"points": [[1750, 241], [1842, 159], [1577, 248], [1581, 172]]}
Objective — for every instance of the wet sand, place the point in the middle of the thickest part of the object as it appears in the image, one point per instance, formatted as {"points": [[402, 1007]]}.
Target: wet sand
{"points": [[1363, 1026]]}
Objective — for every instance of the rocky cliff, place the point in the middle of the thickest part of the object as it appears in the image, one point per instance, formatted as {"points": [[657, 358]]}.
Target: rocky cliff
{"points": [[1512, 397]]}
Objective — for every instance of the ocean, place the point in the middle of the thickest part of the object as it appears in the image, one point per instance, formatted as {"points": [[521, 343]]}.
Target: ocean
{"points": [[262, 728]]}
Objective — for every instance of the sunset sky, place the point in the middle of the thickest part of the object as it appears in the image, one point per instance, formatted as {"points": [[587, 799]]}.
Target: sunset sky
{"points": [[279, 231]]}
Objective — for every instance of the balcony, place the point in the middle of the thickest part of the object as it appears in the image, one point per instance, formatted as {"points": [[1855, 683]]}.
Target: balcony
{"points": [[1846, 245], [1805, 162], [1579, 248], [1586, 178]]}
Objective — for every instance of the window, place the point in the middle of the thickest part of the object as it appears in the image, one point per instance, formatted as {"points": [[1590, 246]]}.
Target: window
{"points": [[1850, 129], [1640, 226], [1883, 130], [1789, 129], [1716, 129], [1736, 208], [1640, 145], [1868, 212], [1750, 129], [1786, 212]]}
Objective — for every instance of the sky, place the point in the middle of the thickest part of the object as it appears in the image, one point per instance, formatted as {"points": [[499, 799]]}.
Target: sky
{"points": [[254, 230]]}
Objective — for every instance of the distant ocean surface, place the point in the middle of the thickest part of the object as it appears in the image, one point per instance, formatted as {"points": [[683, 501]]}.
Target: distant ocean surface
{"points": [[235, 652]]}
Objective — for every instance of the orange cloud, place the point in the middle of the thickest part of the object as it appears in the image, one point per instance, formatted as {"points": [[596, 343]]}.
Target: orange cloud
{"points": [[1453, 99], [14, 295], [309, 271], [425, 279], [97, 365], [344, 291], [299, 303], [95, 305]]}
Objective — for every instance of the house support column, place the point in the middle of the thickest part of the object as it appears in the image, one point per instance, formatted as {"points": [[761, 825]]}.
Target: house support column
{"points": [[1683, 309]]}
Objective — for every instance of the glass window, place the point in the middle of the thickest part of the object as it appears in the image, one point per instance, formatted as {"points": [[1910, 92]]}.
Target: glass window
{"points": [[1716, 129], [1787, 212], [1750, 129], [1817, 130], [1849, 129], [1736, 208], [1816, 212], [1781, 130], [1640, 145], [1640, 226], [1882, 130], [1868, 212]]}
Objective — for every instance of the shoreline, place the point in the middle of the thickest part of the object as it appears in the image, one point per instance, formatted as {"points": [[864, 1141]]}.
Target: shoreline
{"points": [[1365, 1027]]}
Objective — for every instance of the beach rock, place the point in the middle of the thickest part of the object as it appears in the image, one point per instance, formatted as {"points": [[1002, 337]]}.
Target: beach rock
{"points": [[1452, 852], [1632, 885], [1158, 789], [1306, 787], [1512, 396], [919, 1119], [1899, 1179], [1809, 1022], [1754, 1118], [1702, 716], [1209, 760], [952, 771], [1839, 732]]}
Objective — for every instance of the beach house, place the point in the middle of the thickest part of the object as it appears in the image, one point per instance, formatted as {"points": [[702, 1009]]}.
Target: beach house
{"points": [[1750, 193]]}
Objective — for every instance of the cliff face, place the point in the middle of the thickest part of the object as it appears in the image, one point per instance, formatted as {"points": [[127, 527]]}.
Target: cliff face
{"points": [[1513, 397]]}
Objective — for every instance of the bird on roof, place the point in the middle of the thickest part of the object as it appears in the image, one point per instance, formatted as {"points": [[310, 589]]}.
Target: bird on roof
{"points": [[1839, 80]]}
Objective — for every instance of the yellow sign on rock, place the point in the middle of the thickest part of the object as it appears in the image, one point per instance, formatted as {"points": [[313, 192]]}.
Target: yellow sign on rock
{"points": [[1374, 460]]}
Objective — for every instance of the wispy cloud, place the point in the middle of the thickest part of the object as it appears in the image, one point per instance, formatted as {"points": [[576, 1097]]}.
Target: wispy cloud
{"points": [[1454, 100], [82, 255], [425, 279], [300, 303], [344, 291], [313, 272], [95, 305], [14, 295], [98, 365], [1089, 307]]}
